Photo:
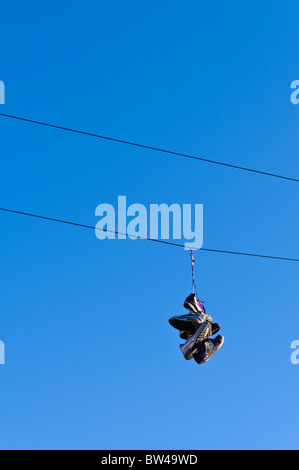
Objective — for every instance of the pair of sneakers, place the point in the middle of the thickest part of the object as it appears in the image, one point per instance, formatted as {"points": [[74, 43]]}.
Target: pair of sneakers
{"points": [[202, 332], [199, 344]]}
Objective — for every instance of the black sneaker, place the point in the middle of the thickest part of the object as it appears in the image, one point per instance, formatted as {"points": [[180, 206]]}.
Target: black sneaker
{"points": [[189, 322], [192, 304], [191, 344], [207, 350]]}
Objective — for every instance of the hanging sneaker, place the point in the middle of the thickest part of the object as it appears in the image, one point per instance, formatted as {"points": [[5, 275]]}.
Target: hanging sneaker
{"points": [[189, 322], [207, 349], [191, 344], [191, 303]]}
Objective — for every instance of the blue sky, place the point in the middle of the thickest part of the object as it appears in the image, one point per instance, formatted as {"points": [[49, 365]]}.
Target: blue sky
{"points": [[91, 361]]}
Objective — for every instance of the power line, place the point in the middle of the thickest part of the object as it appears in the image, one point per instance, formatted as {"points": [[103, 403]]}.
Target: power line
{"points": [[148, 147], [76, 224]]}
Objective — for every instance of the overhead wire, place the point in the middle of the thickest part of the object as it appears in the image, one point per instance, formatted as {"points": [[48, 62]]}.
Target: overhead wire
{"points": [[149, 147], [158, 150], [165, 242]]}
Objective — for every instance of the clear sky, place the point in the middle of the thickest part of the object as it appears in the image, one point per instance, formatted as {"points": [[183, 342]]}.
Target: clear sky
{"points": [[91, 361]]}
